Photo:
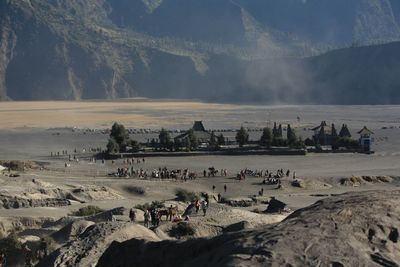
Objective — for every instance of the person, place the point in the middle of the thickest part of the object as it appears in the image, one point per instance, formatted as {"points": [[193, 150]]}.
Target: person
{"points": [[28, 255], [213, 188], [219, 197], [147, 218], [204, 173], [3, 260], [225, 187], [132, 215], [206, 198], [43, 248], [187, 218], [294, 175], [204, 206], [197, 205]]}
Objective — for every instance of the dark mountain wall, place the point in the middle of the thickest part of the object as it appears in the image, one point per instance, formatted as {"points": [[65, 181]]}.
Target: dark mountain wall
{"points": [[216, 50]]}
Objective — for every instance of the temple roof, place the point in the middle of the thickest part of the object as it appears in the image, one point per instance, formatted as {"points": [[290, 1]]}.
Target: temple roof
{"points": [[198, 126], [365, 131]]}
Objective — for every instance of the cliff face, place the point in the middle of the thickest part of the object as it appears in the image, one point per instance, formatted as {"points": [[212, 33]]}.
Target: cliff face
{"points": [[213, 50]]}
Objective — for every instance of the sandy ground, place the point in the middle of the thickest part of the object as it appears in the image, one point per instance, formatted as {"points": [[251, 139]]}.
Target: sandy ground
{"points": [[28, 133]]}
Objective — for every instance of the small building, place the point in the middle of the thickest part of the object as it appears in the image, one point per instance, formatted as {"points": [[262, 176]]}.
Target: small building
{"points": [[324, 134], [365, 139], [199, 131]]}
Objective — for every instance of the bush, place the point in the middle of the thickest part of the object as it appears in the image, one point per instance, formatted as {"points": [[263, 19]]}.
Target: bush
{"points": [[87, 211], [183, 229], [149, 206], [137, 190], [186, 196]]}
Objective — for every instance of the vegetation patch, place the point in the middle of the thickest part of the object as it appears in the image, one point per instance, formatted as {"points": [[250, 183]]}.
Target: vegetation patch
{"points": [[87, 211], [186, 196], [149, 206], [135, 190], [182, 229]]}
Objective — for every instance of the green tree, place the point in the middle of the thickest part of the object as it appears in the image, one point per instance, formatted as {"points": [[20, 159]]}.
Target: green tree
{"points": [[135, 146], [266, 137], [120, 135], [112, 146], [165, 138], [242, 137], [192, 140], [221, 140], [291, 136], [177, 144], [213, 141]]}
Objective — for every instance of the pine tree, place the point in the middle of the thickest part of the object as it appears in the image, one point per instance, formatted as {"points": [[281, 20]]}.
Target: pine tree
{"points": [[221, 140], [266, 137], [291, 136], [192, 140], [213, 141], [280, 132], [164, 138], [242, 137]]}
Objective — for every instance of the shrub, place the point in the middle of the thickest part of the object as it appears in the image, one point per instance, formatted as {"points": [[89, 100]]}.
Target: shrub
{"points": [[87, 211], [136, 190], [149, 206], [186, 196], [182, 229]]}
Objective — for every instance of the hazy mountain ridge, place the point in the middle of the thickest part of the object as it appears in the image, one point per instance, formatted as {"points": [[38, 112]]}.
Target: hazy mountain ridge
{"points": [[214, 50]]}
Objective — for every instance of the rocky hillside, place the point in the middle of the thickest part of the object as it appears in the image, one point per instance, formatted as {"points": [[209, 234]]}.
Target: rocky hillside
{"points": [[235, 51], [355, 229]]}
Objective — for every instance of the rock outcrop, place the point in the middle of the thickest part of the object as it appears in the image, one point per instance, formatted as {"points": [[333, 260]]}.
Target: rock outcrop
{"points": [[354, 229], [86, 248]]}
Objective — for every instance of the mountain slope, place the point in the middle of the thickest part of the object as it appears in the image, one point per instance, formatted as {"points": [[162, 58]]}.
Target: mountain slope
{"points": [[216, 50]]}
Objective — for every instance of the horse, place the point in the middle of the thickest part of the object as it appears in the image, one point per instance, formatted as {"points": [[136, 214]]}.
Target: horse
{"points": [[169, 213]]}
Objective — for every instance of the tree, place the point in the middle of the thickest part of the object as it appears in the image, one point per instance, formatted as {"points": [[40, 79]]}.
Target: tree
{"points": [[213, 141], [344, 132], [334, 132], [177, 144], [280, 132], [221, 140], [120, 135], [135, 146], [192, 140], [266, 137], [275, 131], [165, 138], [291, 136], [112, 146], [242, 137]]}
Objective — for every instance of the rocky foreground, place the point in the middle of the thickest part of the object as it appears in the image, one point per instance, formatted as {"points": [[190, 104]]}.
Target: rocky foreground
{"points": [[354, 229]]}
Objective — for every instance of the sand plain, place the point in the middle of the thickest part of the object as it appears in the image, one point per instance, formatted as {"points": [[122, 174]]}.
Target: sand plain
{"points": [[30, 131]]}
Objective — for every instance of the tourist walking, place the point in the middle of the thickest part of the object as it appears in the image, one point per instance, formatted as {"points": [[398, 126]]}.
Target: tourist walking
{"points": [[225, 188], [28, 255], [132, 215], [147, 218], [197, 205], [204, 206]]}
